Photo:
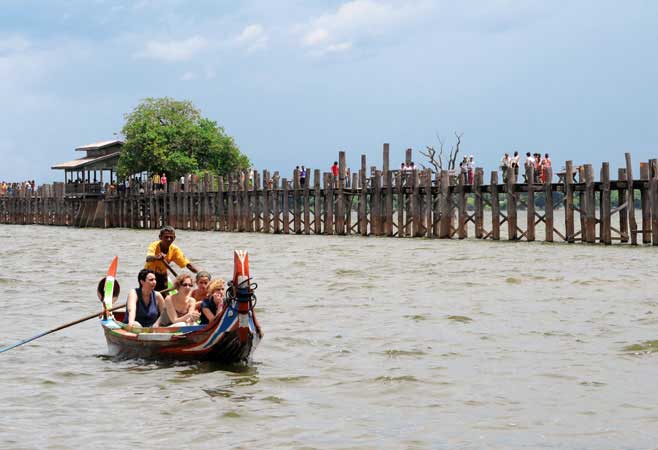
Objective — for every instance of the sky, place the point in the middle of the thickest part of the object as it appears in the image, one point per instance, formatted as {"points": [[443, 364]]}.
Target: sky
{"points": [[296, 81]]}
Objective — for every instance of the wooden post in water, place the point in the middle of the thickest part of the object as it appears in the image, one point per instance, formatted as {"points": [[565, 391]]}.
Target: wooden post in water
{"points": [[568, 202], [296, 203], [317, 203], [285, 208], [605, 234], [444, 202], [256, 194], [590, 206], [375, 199], [399, 186], [329, 204], [530, 219], [385, 163], [407, 157], [645, 203], [631, 199], [511, 210], [276, 210], [429, 206], [623, 212], [495, 206], [363, 203], [479, 202], [548, 196], [417, 226], [340, 203], [653, 195], [461, 209], [389, 202], [581, 201], [307, 201]]}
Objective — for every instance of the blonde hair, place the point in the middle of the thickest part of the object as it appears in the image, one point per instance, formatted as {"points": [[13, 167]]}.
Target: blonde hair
{"points": [[182, 277], [216, 285]]}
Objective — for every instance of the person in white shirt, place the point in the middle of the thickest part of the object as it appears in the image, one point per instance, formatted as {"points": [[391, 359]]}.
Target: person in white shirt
{"points": [[529, 162], [505, 163]]}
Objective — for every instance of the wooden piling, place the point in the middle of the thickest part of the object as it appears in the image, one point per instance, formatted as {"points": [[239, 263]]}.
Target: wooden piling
{"points": [[623, 206], [530, 222], [495, 206], [653, 195], [317, 203], [568, 203], [631, 200], [511, 210], [645, 203], [548, 209], [605, 235], [444, 201]]}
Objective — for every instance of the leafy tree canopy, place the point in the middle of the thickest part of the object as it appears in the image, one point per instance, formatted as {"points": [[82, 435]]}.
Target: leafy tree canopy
{"points": [[170, 136]]}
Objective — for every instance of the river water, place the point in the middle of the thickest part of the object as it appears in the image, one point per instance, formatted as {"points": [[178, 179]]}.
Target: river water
{"points": [[369, 343]]}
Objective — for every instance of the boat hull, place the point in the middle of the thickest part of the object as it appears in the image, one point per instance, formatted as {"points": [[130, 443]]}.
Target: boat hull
{"points": [[219, 341]]}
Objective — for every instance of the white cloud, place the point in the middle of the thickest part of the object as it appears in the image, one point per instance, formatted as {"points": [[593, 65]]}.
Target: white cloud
{"points": [[357, 20], [253, 37], [316, 37], [173, 51]]}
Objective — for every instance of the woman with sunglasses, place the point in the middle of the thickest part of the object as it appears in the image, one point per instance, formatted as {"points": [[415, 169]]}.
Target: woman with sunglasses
{"points": [[179, 309]]}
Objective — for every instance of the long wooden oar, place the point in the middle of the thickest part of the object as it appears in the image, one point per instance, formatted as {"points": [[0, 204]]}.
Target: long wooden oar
{"points": [[61, 327], [169, 267]]}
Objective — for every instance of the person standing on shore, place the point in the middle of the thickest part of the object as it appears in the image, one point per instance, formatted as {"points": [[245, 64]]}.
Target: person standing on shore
{"points": [[165, 250]]}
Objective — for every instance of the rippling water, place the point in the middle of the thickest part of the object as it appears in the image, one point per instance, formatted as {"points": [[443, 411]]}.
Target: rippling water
{"points": [[370, 343]]}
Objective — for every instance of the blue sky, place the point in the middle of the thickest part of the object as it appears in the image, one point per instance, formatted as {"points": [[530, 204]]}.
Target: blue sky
{"points": [[295, 81]]}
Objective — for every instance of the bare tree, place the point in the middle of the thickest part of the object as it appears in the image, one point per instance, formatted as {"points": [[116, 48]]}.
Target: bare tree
{"points": [[437, 159]]}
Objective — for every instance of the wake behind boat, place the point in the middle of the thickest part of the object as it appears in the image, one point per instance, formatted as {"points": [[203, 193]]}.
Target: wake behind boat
{"points": [[231, 337]]}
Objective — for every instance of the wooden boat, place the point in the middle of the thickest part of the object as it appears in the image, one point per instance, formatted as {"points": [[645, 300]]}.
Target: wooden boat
{"points": [[231, 337]]}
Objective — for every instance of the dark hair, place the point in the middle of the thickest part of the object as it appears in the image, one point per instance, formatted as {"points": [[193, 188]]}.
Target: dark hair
{"points": [[335, 162], [167, 229], [203, 273], [101, 288], [141, 276]]}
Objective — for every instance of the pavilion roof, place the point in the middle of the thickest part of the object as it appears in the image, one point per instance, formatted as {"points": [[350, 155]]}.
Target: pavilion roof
{"points": [[99, 145], [83, 162]]}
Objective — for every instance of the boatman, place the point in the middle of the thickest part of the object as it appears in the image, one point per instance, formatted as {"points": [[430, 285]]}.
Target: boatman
{"points": [[165, 250]]}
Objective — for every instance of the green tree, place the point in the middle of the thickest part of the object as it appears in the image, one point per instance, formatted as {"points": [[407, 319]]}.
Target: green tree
{"points": [[171, 136]]}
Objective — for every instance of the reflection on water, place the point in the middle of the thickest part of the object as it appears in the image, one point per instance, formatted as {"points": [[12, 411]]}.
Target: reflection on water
{"points": [[370, 343]]}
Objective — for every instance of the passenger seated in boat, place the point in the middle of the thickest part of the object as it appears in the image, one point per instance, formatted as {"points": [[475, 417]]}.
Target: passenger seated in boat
{"points": [[100, 290], [213, 303], [180, 308], [144, 304], [201, 291]]}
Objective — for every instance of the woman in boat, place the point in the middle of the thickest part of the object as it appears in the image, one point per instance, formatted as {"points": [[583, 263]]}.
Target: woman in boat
{"points": [[180, 308], [213, 304], [201, 292], [144, 304]]}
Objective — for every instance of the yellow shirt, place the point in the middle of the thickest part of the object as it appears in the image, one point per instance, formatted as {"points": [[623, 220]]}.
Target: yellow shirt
{"points": [[174, 254]]}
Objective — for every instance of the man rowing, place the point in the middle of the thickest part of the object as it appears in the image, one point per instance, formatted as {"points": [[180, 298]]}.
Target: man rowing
{"points": [[164, 251]]}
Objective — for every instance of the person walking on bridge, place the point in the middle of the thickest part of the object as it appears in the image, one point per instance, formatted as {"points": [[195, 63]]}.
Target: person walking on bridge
{"points": [[162, 251]]}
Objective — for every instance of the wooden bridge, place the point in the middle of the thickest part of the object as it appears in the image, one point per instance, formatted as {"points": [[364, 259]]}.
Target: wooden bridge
{"points": [[380, 202]]}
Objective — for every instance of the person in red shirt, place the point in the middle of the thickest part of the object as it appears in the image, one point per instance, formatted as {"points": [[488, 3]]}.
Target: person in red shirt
{"points": [[334, 172]]}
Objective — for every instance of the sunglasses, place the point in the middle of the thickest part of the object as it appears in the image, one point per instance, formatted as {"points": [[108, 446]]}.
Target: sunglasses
{"points": [[187, 284]]}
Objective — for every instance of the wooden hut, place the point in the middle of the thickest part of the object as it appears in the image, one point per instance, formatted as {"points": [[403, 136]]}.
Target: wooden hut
{"points": [[86, 176]]}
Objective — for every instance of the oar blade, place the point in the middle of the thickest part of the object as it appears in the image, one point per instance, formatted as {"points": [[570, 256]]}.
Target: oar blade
{"points": [[109, 283]]}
